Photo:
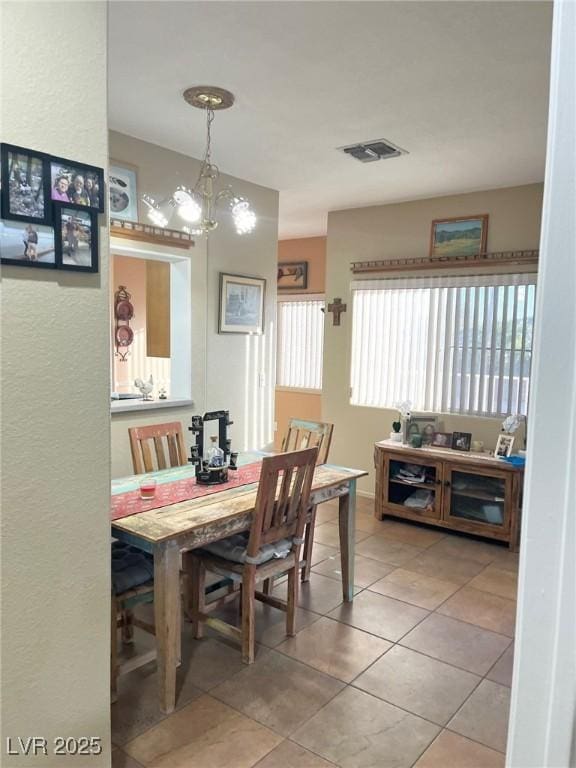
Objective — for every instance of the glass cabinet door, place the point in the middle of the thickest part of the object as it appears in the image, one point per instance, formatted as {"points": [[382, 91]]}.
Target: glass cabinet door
{"points": [[413, 488], [478, 500]]}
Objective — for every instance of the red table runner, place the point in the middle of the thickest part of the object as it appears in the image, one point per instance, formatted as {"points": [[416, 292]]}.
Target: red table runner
{"points": [[130, 503]]}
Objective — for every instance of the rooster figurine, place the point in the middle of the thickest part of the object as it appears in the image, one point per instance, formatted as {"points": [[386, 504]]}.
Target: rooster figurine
{"points": [[145, 387]]}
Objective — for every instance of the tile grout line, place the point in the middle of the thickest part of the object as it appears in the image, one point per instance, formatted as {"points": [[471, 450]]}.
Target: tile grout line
{"points": [[402, 637], [492, 563]]}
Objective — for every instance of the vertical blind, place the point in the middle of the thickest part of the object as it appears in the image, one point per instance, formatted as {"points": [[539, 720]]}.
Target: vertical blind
{"points": [[452, 345], [300, 343]]}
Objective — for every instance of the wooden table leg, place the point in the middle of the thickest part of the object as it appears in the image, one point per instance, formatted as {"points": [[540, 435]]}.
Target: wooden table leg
{"points": [[347, 525], [167, 619]]}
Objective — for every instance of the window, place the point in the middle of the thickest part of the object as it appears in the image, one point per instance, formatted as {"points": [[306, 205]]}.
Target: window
{"points": [[455, 345], [300, 342]]}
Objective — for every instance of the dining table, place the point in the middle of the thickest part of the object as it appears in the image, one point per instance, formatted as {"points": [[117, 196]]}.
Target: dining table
{"points": [[184, 515]]}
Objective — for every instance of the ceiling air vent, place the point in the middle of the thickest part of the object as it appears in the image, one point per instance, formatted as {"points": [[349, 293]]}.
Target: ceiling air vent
{"points": [[369, 151]]}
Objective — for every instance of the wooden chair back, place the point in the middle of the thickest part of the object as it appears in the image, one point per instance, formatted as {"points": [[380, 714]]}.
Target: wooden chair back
{"points": [[308, 434], [144, 441], [282, 500]]}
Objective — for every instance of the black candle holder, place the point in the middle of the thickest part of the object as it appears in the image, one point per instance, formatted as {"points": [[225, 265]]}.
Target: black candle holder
{"points": [[205, 474]]}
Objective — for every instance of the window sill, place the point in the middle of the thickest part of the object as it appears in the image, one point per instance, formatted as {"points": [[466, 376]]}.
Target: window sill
{"points": [[300, 390], [127, 406]]}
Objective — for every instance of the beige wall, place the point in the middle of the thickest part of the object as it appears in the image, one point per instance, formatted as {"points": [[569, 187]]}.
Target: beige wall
{"points": [[305, 405], [55, 407], [403, 231], [228, 370]]}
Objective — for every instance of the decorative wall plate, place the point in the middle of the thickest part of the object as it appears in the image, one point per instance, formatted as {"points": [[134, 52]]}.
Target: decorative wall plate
{"points": [[124, 310], [124, 336]]}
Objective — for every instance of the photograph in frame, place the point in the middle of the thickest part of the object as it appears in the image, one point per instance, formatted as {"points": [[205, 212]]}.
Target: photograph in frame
{"points": [[24, 244], [76, 184], [423, 424], [504, 446], [461, 441], [25, 185], [123, 193], [442, 440], [76, 238], [241, 304]]}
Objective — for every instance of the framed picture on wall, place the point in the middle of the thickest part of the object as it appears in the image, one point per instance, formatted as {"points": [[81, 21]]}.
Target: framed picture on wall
{"points": [[24, 244], [123, 190], [241, 304], [293, 275], [25, 176], [459, 237], [76, 183], [76, 238]]}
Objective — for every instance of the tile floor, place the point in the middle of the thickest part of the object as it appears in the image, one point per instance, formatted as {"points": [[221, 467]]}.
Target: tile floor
{"points": [[415, 672]]}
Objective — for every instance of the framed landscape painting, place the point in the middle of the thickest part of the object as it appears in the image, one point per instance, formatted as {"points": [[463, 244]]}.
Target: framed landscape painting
{"points": [[241, 304], [459, 237]]}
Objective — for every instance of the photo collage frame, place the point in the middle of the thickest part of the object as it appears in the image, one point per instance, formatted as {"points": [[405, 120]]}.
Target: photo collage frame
{"points": [[49, 208]]}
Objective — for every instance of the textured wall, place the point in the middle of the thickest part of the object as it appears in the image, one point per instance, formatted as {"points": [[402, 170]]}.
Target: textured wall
{"points": [[55, 411], [225, 368], [403, 231]]}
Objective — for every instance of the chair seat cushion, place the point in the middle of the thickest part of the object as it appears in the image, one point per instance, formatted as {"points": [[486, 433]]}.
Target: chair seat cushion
{"points": [[131, 567], [234, 549]]}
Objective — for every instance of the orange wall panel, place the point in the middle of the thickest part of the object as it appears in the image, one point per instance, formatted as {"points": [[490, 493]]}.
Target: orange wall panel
{"points": [[312, 250], [302, 405]]}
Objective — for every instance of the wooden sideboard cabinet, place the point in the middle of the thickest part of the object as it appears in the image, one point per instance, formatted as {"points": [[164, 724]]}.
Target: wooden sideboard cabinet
{"points": [[469, 492]]}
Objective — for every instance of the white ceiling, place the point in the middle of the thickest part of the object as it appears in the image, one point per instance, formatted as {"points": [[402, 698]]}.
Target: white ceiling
{"points": [[462, 86]]}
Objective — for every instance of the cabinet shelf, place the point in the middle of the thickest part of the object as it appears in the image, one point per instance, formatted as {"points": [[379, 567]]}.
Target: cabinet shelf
{"points": [[429, 486], [479, 495]]}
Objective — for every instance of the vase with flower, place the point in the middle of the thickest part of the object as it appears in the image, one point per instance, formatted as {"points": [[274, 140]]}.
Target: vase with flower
{"points": [[404, 409]]}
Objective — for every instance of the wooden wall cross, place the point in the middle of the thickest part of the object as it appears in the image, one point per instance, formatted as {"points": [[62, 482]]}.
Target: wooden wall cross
{"points": [[336, 308]]}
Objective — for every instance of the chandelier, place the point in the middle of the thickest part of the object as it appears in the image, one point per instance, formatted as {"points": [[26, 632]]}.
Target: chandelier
{"points": [[197, 206]]}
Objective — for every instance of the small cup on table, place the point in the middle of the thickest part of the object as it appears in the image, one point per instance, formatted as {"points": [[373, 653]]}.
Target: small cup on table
{"points": [[147, 488]]}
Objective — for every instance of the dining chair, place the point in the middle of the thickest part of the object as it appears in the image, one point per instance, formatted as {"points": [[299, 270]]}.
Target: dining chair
{"points": [[306, 434], [143, 440], [132, 585], [270, 548]]}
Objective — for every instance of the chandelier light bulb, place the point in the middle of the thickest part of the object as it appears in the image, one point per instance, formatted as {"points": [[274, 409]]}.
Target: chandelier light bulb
{"points": [[244, 217], [154, 213], [190, 212], [157, 218], [182, 196]]}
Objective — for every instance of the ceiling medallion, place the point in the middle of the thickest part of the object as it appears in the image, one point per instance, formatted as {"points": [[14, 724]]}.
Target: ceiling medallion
{"points": [[208, 96], [197, 205]]}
